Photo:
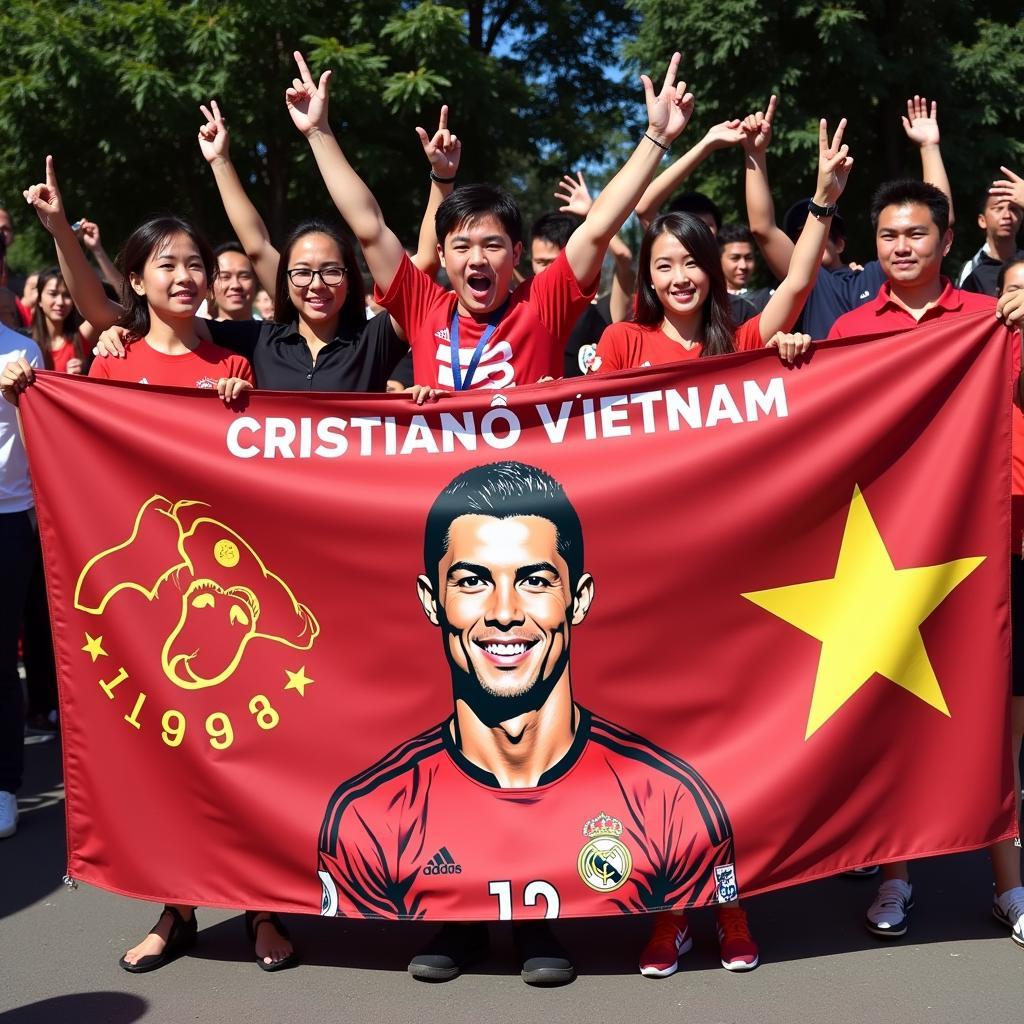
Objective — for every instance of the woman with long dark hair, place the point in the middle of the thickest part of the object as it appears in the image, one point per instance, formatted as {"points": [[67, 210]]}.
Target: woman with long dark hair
{"points": [[682, 312], [682, 305], [57, 328]]}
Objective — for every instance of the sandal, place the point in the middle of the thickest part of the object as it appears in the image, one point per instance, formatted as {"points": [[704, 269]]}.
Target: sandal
{"points": [[180, 939], [253, 920]]}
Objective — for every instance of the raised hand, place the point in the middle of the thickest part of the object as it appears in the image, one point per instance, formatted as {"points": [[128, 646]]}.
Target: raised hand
{"points": [[922, 124], [214, 140], [670, 110], [306, 101], [1011, 187], [443, 149], [834, 164], [89, 233], [47, 200], [727, 133], [756, 128], [574, 195]]}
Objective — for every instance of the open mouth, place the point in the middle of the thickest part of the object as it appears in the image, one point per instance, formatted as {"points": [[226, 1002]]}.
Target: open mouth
{"points": [[507, 651], [479, 285]]}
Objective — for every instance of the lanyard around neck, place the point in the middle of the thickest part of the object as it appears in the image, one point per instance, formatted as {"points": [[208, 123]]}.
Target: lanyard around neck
{"points": [[464, 383]]}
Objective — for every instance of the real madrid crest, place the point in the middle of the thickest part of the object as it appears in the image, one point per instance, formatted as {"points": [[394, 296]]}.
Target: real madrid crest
{"points": [[604, 863]]}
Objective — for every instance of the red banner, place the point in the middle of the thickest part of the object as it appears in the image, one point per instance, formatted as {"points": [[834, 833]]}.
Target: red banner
{"points": [[601, 646]]}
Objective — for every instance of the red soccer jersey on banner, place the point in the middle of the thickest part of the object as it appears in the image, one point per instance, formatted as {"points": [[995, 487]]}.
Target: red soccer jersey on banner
{"points": [[424, 834], [201, 368], [629, 345], [529, 341]]}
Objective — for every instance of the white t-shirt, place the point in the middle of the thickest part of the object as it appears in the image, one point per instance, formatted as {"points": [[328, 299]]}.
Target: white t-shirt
{"points": [[15, 489]]}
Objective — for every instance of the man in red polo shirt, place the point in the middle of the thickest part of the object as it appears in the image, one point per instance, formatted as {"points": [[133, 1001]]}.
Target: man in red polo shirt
{"points": [[912, 235]]}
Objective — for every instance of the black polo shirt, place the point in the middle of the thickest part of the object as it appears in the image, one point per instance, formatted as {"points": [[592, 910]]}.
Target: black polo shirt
{"points": [[281, 359], [982, 280]]}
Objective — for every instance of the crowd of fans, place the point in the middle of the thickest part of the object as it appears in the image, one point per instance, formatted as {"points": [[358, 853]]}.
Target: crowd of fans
{"points": [[458, 313]]}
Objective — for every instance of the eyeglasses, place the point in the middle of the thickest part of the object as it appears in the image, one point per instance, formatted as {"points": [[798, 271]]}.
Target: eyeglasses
{"points": [[302, 276]]}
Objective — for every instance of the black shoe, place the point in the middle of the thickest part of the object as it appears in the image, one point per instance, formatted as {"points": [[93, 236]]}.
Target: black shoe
{"points": [[253, 920], [544, 960], [180, 939], [452, 949]]}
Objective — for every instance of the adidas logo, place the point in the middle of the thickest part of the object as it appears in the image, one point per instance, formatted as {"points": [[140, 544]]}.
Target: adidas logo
{"points": [[442, 863]]}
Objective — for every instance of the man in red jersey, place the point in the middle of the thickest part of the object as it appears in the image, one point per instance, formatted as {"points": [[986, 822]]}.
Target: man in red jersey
{"points": [[424, 832]]}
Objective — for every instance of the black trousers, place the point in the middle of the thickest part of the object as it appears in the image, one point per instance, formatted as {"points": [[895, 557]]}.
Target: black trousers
{"points": [[18, 547], [37, 643]]}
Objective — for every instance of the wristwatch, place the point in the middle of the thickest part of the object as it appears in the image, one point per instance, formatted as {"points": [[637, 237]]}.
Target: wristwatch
{"points": [[821, 211]]}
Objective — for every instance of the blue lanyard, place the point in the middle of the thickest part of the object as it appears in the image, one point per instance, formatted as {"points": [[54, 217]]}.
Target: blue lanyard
{"points": [[463, 383]]}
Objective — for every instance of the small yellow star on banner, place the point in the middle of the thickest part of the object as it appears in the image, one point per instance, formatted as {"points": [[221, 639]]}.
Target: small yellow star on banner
{"points": [[94, 647], [297, 681], [867, 617]]}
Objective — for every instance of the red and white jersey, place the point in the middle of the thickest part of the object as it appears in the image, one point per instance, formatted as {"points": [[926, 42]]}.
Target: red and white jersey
{"points": [[426, 835], [200, 368], [527, 344]]}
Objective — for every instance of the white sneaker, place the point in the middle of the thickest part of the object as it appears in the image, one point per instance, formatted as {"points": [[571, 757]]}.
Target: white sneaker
{"points": [[8, 814], [887, 916], [1009, 909]]}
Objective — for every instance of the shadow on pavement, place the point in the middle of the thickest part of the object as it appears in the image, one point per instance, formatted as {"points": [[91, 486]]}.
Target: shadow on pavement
{"points": [[80, 1007], [41, 833], [825, 918]]}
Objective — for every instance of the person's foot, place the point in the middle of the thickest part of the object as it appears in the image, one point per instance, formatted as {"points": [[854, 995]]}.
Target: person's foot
{"points": [[173, 933], [1008, 908], [8, 814], [452, 949], [887, 917], [273, 948], [868, 871], [669, 940], [737, 945], [544, 960]]}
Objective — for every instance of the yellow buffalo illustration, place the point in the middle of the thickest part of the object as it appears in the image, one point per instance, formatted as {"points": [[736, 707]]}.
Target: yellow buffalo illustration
{"points": [[228, 596]]}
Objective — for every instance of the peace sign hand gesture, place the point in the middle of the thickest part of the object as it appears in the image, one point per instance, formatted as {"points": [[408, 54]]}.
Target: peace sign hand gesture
{"points": [[834, 164], [214, 140], [47, 200], [306, 101], [670, 110], [444, 149]]}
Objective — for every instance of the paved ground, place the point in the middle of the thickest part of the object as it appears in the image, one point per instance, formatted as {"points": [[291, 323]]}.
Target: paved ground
{"points": [[59, 951]]}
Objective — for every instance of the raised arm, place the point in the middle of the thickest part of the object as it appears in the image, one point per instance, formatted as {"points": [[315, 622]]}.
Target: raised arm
{"points": [[775, 245], [443, 151], [575, 198], [89, 232], [307, 104], [834, 165], [922, 127], [667, 115], [246, 222], [728, 133], [86, 291]]}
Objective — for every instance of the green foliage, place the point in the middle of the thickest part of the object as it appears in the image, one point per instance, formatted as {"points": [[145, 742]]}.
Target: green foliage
{"points": [[112, 90], [860, 59]]}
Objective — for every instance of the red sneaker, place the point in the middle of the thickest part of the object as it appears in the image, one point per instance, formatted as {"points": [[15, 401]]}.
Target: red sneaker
{"points": [[738, 948], [669, 940]]}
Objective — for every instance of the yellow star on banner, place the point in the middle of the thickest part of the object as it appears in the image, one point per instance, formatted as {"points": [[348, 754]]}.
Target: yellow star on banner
{"points": [[94, 647], [297, 681], [867, 617]]}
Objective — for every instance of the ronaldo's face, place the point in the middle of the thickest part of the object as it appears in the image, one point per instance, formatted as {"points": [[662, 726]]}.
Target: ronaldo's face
{"points": [[505, 603]]}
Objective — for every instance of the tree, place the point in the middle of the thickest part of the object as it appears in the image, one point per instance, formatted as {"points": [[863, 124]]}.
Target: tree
{"points": [[112, 90], [856, 59]]}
